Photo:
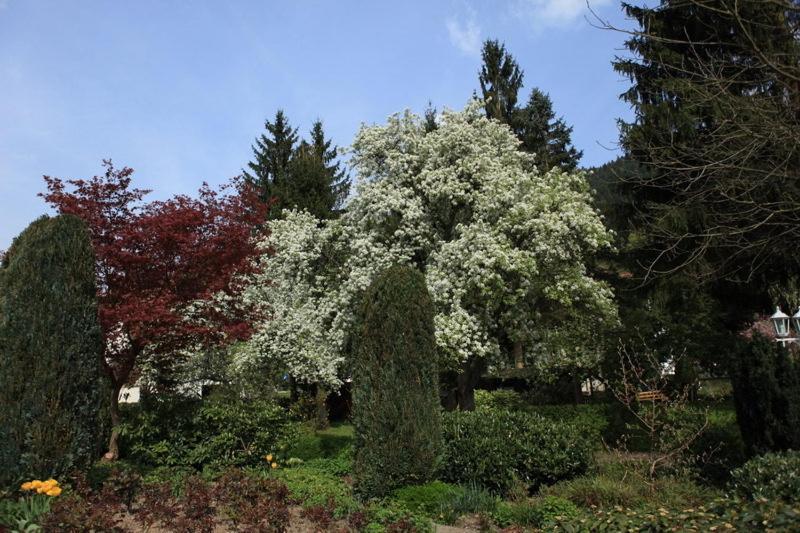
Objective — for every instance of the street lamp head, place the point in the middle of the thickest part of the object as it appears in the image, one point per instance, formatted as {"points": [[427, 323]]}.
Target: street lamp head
{"points": [[781, 322], [796, 321]]}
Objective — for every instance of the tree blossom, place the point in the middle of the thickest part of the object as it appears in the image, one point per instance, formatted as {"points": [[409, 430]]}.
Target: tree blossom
{"points": [[504, 248]]}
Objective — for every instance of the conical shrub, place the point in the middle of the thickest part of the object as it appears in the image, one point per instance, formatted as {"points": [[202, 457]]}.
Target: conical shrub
{"points": [[52, 391], [396, 410]]}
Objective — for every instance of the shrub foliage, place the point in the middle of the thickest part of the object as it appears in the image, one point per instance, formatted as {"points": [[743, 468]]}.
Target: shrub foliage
{"points": [[502, 448], [51, 385], [215, 433], [395, 393], [774, 476]]}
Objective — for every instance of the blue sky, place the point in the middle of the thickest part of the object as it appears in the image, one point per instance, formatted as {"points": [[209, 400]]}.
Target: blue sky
{"points": [[178, 90]]}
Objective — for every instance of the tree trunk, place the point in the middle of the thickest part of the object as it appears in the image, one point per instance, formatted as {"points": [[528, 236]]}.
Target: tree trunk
{"points": [[320, 398], [519, 360], [294, 393], [576, 388], [113, 443], [448, 390], [466, 381]]}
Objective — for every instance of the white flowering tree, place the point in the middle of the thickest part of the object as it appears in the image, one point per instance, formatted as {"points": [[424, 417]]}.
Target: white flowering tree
{"points": [[292, 291], [504, 249]]}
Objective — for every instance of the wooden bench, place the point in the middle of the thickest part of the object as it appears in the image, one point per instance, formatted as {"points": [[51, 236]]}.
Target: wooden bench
{"points": [[651, 396]]}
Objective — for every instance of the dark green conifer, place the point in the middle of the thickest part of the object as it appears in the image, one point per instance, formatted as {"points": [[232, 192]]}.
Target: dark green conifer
{"points": [[535, 124], [273, 152], [545, 135], [52, 390], [298, 175], [396, 410], [500, 78]]}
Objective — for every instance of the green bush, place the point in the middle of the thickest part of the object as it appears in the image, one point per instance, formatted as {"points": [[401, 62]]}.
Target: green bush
{"points": [[428, 499], [53, 395], [395, 385], [591, 419], [774, 476], [504, 399], [501, 450], [214, 433], [472, 499]]}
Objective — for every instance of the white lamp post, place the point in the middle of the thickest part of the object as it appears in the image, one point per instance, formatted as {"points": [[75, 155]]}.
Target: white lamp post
{"points": [[782, 321]]}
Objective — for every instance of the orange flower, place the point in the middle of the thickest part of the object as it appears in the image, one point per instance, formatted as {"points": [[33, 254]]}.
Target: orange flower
{"points": [[28, 485], [274, 465], [268, 457], [55, 491]]}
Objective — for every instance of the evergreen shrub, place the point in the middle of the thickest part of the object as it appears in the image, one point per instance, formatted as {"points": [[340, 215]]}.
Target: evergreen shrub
{"points": [[53, 394], [215, 433], [396, 412], [774, 476], [506, 448]]}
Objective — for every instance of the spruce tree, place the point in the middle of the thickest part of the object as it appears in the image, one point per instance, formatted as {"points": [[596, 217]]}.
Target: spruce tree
{"points": [[338, 182], [309, 185], [545, 135], [500, 78], [273, 152], [535, 124], [430, 118], [396, 410], [298, 174], [714, 94], [52, 390]]}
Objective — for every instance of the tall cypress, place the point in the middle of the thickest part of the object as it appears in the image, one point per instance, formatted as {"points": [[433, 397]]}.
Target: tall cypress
{"points": [[396, 410], [52, 390]]}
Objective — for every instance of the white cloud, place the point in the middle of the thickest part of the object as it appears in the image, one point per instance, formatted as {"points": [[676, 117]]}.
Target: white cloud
{"points": [[552, 13], [465, 34]]}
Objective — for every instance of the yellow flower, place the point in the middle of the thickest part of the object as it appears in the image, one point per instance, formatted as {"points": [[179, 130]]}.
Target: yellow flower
{"points": [[28, 485], [268, 458], [55, 491], [274, 465], [47, 485], [36, 483]]}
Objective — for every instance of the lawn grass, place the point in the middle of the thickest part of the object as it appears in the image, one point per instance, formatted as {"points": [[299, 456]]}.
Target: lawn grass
{"points": [[316, 444]]}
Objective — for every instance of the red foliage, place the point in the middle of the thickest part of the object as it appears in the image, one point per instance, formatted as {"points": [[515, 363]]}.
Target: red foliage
{"points": [[154, 259], [762, 325]]}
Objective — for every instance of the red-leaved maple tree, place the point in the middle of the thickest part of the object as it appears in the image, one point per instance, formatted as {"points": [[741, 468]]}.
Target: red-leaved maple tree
{"points": [[157, 259]]}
